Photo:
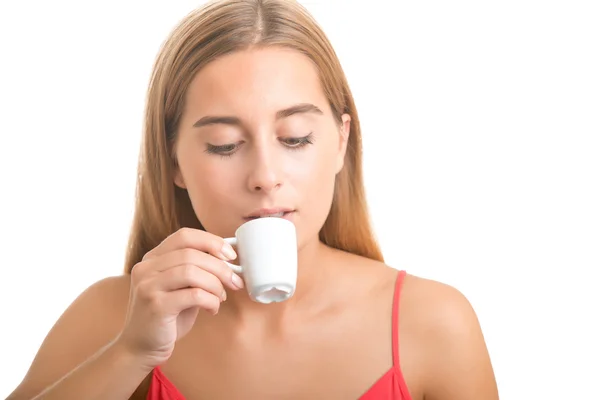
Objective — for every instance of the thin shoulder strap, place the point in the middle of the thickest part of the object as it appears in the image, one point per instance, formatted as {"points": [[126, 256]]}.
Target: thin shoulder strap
{"points": [[395, 313]]}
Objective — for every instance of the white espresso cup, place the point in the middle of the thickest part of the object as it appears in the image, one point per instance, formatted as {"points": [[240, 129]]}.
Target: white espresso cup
{"points": [[268, 256]]}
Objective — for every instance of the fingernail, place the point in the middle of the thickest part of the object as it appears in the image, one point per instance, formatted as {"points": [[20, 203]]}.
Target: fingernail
{"points": [[228, 252], [224, 296], [237, 281]]}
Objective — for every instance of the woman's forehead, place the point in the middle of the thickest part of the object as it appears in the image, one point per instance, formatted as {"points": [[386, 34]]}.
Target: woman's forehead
{"points": [[270, 78]]}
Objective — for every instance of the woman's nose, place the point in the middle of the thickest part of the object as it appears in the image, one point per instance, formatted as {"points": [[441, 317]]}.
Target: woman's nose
{"points": [[265, 171]]}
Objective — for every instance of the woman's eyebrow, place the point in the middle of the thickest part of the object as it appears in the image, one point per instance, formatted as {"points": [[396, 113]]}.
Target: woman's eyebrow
{"points": [[303, 108]]}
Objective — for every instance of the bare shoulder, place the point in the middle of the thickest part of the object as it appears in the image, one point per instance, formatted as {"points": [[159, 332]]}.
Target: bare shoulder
{"points": [[90, 322], [444, 342], [437, 304]]}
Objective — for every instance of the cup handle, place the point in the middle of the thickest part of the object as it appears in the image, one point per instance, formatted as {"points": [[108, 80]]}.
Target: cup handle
{"points": [[236, 268]]}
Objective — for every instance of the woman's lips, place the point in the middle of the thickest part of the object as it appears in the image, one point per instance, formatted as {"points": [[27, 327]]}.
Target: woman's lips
{"points": [[285, 215]]}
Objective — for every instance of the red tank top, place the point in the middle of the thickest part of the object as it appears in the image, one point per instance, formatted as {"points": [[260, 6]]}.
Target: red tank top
{"points": [[390, 386]]}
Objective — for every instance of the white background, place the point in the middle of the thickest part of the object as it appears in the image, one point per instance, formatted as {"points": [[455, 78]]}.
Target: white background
{"points": [[481, 126]]}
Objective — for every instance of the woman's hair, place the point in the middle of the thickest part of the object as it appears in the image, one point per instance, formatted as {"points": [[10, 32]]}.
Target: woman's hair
{"points": [[216, 29]]}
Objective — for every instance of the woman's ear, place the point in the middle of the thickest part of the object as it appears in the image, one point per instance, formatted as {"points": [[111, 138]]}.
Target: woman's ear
{"points": [[178, 180], [178, 177], [344, 133]]}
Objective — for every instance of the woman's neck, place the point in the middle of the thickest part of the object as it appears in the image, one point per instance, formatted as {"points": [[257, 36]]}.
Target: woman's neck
{"points": [[313, 276]]}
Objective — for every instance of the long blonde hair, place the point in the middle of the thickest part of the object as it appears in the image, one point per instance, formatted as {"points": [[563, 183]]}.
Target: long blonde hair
{"points": [[216, 29]]}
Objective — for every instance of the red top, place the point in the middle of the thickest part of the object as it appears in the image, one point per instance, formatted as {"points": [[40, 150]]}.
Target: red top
{"points": [[390, 386]]}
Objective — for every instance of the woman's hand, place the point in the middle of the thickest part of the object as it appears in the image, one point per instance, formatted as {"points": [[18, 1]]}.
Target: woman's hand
{"points": [[182, 275]]}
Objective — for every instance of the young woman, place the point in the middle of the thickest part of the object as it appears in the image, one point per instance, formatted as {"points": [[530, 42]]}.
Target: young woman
{"points": [[248, 115]]}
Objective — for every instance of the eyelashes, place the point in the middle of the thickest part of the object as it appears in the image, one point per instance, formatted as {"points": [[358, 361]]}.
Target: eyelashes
{"points": [[298, 142], [291, 143], [223, 150]]}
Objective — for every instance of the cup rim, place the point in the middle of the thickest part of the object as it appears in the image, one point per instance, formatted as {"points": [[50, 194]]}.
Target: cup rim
{"points": [[254, 221]]}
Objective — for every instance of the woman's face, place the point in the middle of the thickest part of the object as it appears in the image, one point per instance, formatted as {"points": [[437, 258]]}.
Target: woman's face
{"points": [[257, 137]]}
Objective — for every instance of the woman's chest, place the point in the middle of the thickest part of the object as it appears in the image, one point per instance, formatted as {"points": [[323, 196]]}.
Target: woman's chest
{"points": [[303, 367]]}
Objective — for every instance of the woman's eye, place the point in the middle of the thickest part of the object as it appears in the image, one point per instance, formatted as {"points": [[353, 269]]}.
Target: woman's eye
{"points": [[224, 150], [297, 142]]}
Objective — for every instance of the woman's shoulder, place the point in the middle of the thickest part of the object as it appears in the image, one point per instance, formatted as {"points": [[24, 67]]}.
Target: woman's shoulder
{"points": [[433, 301], [440, 337], [94, 317], [441, 301], [99, 311], [436, 301], [106, 298]]}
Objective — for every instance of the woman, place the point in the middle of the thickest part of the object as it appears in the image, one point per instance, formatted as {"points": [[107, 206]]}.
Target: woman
{"points": [[249, 114]]}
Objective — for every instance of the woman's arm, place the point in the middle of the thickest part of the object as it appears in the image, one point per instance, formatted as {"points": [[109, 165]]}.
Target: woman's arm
{"points": [[79, 357], [112, 373]]}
